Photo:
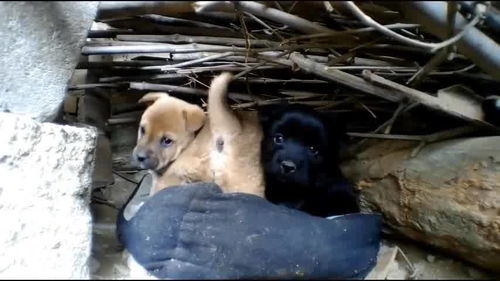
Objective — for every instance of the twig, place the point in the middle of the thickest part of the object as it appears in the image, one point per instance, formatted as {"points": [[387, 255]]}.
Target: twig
{"points": [[439, 136], [432, 63], [255, 66], [178, 38], [343, 78], [144, 49], [124, 177], [401, 109], [368, 109], [432, 46], [467, 68], [173, 21], [443, 135], [367, 67], [249, 69], [293, 6], [265, 25], [264, 80], [181, 90], [112, 33], [452, 106], [109, 64], [347, 32], [189, 63], [384, 136], [440, 56], [124, 120], [229, 68], [410, 265], [94, 85], [169, 77], [97, 200], [328, 6], [448, 134], [145, 26], [277, 4], [276, 15], [266, 102], [391, 121]]}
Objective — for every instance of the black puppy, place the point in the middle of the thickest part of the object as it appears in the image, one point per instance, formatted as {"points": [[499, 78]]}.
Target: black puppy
{"points": [[300, 159]]}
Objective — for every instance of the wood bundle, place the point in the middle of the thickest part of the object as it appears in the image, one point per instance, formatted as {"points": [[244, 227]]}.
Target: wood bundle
{"points": [[316, 53], [403, 71]]}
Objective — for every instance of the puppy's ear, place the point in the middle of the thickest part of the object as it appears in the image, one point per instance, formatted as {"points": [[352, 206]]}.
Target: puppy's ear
{"points": [[194, 118], [150, 98]]}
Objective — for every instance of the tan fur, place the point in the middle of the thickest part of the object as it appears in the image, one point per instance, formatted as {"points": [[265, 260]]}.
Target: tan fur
{"points": [[236, 168]]}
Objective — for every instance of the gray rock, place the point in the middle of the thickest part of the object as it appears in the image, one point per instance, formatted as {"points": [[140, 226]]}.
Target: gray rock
{"points": [[39, 50], [46, 178]]}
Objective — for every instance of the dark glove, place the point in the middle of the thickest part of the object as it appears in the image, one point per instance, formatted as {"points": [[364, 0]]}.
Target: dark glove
{"points": [[197, 232]]}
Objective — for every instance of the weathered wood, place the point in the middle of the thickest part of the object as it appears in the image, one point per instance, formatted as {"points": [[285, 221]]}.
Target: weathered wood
{"points": [[447, 196]]}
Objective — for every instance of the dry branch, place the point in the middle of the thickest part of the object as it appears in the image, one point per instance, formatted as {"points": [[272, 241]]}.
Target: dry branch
{"points": [[181, 90], [470, 111], [191, 62], [343, 78], [182, 39], [145, 49], [263, 11]]}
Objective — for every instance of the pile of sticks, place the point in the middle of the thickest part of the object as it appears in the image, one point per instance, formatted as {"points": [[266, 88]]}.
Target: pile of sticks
{"points": [[367, 61]]}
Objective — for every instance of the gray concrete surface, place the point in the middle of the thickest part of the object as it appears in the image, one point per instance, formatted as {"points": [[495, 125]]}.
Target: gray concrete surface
{"points": [[45, 190], [39, 48]]}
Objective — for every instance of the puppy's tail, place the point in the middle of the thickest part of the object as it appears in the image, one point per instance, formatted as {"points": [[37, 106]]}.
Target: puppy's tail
{"points": [[222, 118]]}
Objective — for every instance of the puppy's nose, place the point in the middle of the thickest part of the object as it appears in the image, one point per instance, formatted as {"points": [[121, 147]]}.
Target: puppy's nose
{"points": [[288, 167], [141, 157]]}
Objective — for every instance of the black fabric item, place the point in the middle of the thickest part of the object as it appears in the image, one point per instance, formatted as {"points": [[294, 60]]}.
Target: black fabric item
{"points": [[197, 232]]}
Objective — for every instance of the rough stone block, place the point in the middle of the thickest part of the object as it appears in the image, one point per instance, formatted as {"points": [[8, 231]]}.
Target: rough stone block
{"points": [[46, 178]]}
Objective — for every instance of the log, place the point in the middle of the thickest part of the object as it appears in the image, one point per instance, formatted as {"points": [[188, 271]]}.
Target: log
{"points": [[447, 196]]}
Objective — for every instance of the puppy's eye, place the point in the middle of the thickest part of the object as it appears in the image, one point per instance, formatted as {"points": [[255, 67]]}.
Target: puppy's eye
{"points": [[313, 150], [166, 142], [142, 130], [278, 138]]}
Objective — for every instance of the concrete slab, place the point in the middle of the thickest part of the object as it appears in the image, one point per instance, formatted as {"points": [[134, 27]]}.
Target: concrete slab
{"points": [[46, 172], [40, 46]]}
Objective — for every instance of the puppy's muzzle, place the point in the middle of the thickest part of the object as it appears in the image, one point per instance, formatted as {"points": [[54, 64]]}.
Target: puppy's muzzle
{"points": [[287, 167], [145, 160]]}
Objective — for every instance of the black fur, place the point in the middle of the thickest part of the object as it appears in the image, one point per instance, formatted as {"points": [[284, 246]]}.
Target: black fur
{"points": [[300, 159]]}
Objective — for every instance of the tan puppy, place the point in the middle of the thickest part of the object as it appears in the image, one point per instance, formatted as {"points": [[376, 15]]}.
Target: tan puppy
{"points": [[179, 146]]}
